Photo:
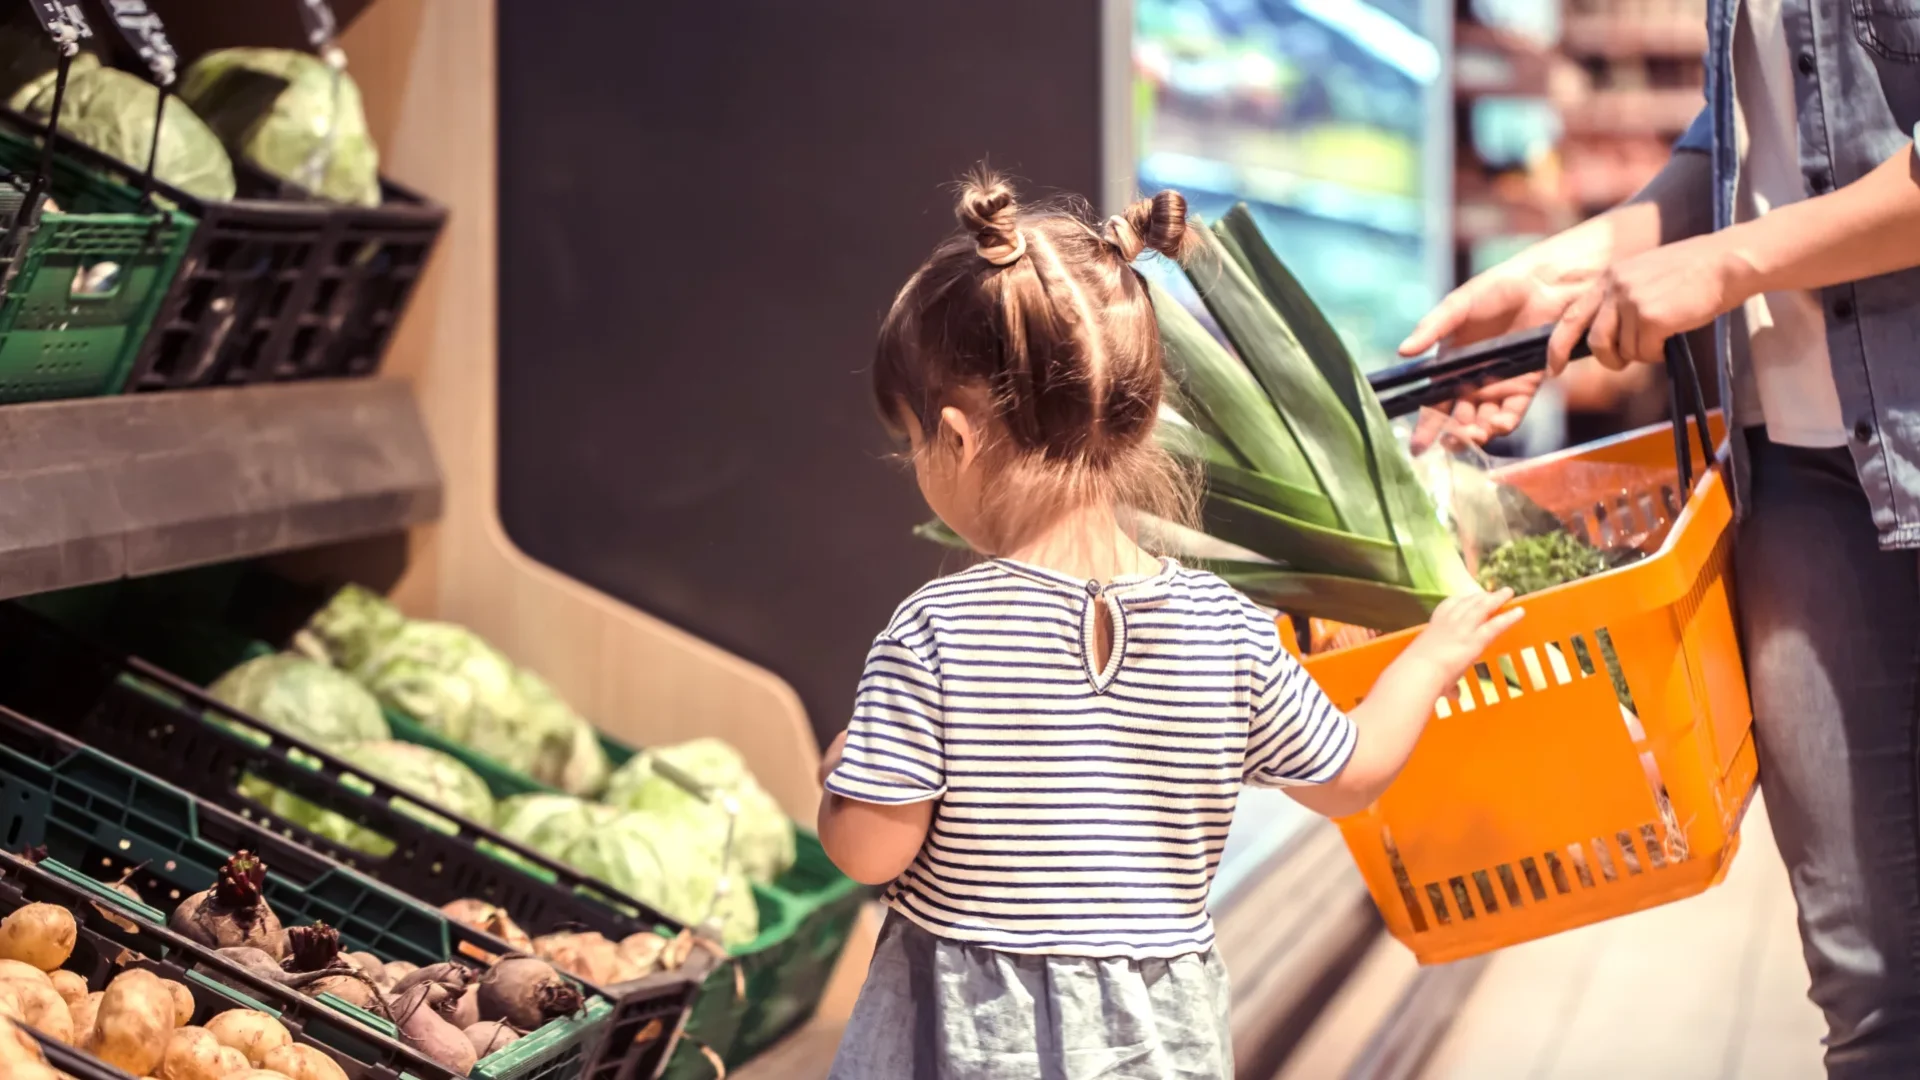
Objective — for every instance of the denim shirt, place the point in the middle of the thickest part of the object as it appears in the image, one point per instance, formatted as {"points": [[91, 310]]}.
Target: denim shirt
{"points": [[1856, 65]]}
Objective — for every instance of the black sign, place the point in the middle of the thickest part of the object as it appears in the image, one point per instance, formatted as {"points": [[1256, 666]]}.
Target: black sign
{"points": [[141, 29], [321, 25], [63, 22]]}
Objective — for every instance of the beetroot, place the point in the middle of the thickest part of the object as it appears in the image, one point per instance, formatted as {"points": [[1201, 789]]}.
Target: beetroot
{"points": [[233, 912], [428, 1032], [526, 993], [312, 948]]}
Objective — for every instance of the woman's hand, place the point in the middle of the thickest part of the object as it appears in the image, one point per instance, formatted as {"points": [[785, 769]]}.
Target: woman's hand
{"points": [[1628, 314]]}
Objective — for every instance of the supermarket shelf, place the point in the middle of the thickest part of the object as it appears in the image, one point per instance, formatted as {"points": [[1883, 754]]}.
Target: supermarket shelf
{"points": [[1487, 61], [1397, 214], [1618, 37], [112, 487], [1633, 112]]}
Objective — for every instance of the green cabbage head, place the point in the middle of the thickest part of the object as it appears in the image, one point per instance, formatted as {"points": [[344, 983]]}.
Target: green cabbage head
{"points": [[112, 111], [305, 699], [451, 680], [549, 823], [434, 778], [291, 115], [554, 744], [354, 624], [763, 838], [673, 870]]}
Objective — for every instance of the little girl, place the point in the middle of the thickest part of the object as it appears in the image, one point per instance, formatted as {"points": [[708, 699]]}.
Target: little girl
{"points": [[1046, 749]]}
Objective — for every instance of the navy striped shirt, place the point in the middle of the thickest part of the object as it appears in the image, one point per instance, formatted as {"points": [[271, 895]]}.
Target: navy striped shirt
{"points": [[1081, 812]]}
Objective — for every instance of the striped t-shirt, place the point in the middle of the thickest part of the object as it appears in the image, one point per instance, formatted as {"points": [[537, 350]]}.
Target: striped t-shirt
{"points": [[1082, 812]]}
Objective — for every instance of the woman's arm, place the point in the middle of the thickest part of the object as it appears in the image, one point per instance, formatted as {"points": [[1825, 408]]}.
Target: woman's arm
{"points": [[1867, 228]]}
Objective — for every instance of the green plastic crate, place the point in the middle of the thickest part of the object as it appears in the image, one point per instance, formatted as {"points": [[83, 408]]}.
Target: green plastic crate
{"points": [[54, 342], [91, 811]]}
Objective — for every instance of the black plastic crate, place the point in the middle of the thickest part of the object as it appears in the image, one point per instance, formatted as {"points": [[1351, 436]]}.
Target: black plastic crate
{"points": [[276, 286], [167, 727]]}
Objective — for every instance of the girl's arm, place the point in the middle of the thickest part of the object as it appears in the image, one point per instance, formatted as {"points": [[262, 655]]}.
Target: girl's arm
{"points": [[1868, 228], [872, 843], [1390, 720]]}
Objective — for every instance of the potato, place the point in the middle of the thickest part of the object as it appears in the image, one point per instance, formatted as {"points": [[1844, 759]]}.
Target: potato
{"points": [[134, 1021], [42, 1007], [14, 969], [259, 1074], [230, 1062], [71, 987], [640, 953], [38, 934], [194, 1054], [254, 1034], [34, 1070], [17, 1047], [303, 1063], [183, 1004], [46, 935], [85, 1015]]}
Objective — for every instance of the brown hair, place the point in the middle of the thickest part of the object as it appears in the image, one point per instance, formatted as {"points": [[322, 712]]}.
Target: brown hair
{"points": [[1043, 310]]}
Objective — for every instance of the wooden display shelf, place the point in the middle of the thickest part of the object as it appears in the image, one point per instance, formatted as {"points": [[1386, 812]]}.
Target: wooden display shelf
{"points": [[102, 488]]}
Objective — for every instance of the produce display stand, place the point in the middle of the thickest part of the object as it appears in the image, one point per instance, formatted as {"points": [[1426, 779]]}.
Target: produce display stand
{"points": [[768, 987], [111, 926], [1599, 758], [166, 727], [90, 810]]}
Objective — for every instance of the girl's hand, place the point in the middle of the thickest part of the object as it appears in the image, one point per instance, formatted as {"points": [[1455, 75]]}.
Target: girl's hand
{"points": [[1637, 304], [831, 759], [1460, 631]]}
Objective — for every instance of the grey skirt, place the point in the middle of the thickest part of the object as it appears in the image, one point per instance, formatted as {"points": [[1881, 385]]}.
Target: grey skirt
{"points": [[933, 1009]]}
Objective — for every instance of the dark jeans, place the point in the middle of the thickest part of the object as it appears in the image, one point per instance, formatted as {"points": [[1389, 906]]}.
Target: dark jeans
{"points": [[1832, 633]]}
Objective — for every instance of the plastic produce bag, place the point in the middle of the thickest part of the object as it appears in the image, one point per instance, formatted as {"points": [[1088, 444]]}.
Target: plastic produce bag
{"points": [[291, 115], [112, 112]]}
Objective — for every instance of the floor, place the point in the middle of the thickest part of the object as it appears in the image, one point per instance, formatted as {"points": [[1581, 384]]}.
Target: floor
{"points": [[1712, 988]]}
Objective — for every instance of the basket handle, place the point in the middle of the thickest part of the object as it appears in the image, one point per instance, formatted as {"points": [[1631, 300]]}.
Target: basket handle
{"points": [[143, 33], [1440, 378]]}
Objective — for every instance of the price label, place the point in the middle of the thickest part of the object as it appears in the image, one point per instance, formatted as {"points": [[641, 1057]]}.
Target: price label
{"points": [[141, 29], [321, 25], [64, 23]]}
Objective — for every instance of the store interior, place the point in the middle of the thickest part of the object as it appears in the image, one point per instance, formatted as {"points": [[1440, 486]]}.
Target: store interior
{"points": [[583, 377]]}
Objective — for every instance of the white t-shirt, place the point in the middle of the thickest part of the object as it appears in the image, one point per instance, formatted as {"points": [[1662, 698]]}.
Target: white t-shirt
{"points": [[1791, 388]]}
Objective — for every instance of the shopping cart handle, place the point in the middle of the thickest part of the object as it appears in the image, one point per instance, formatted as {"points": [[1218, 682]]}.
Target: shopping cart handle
{"points": [[1437, 379]]}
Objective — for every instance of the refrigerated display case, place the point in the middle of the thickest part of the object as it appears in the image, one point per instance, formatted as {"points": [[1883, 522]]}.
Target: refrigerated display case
{"points": [[1331, 119]]}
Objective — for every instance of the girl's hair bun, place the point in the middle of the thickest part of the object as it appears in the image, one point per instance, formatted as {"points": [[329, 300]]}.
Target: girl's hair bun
{"points": [[1159, 223], [990, 215]]}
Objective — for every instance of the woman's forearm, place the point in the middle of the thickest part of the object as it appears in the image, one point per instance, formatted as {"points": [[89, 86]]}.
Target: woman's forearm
{"points": [[1867, 228]]}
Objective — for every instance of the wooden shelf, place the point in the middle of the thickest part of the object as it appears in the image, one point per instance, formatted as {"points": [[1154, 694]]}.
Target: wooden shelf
{"points": [[103, 488]]}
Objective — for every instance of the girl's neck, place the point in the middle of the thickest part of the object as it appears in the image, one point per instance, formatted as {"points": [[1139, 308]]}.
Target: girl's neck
{"points": [[1087, 544]]}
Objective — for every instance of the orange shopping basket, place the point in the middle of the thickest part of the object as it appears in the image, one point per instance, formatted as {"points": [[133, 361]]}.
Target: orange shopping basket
{"points": [[1599, 757]]}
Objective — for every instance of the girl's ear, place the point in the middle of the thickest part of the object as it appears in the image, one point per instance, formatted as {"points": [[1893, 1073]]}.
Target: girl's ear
{"points": [[962, 430]]}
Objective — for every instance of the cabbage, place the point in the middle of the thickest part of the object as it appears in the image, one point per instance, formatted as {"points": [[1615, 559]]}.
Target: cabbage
{"points": [[305, 699], [549, 823], [763, 839], [647, 858], [27, 55], [434, 778], [452, 681], [290, 114], [351, 627], [112, 111], [569, 755]]}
